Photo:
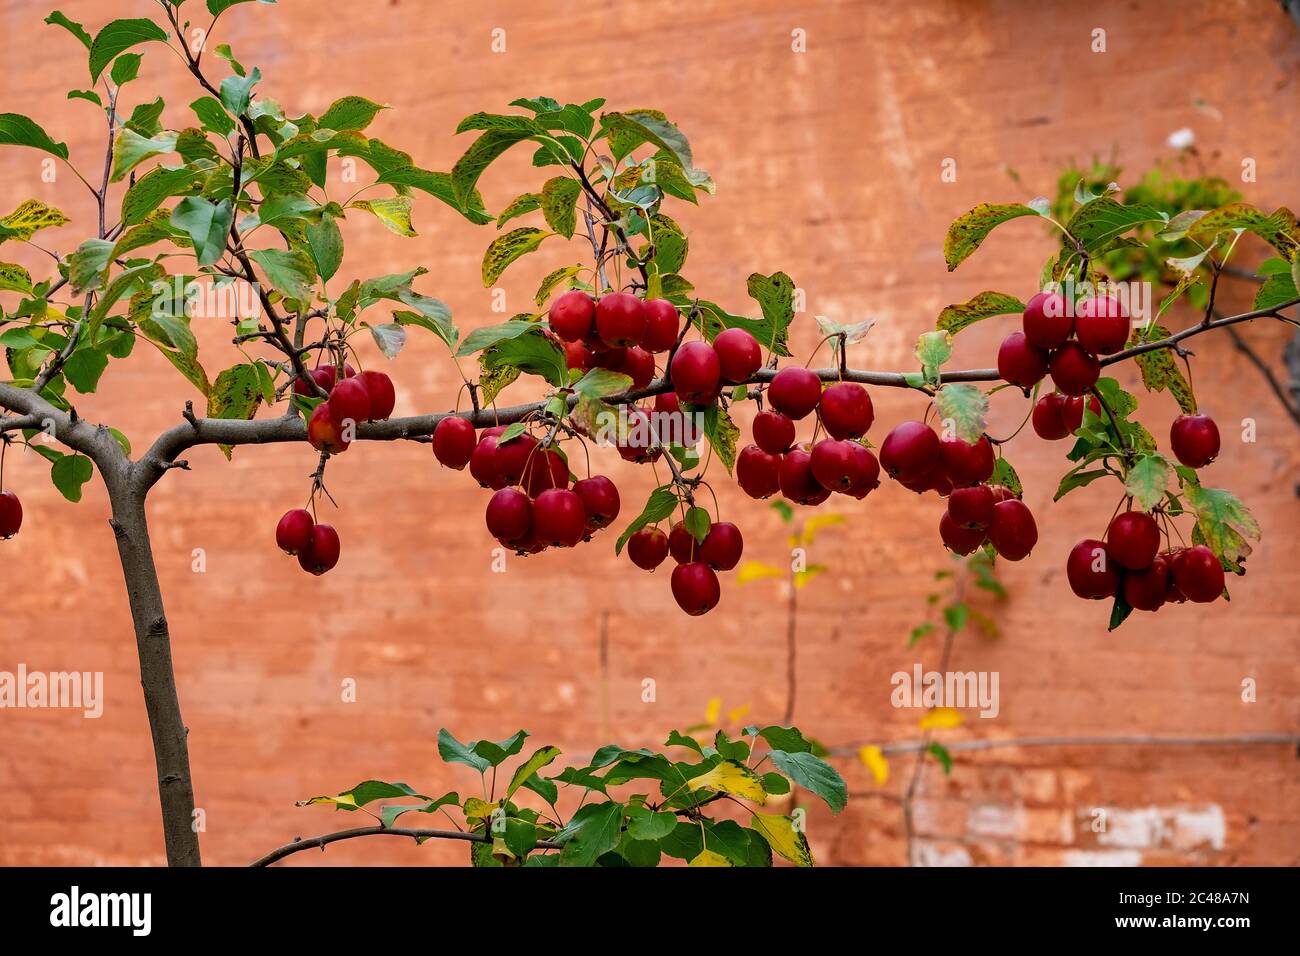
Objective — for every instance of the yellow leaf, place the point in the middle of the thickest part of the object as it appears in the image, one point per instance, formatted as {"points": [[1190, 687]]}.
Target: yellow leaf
{"points": [[476, 809], [803, 577], [709, 858], [784, 837], [31, 216], [394, 213], [756, 571], [734, 778], [817, 523], [713, 710], [941, 718], [736, 713], [875, 761]]}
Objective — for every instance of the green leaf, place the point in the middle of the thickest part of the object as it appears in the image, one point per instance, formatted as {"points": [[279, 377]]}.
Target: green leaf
{"points": [[57, 18], [350, 113], [940, 753], [86, 266], [465, 174], [932, 350], [438, 185], [1005, 475], [507, 248], [660, 505], [90, 96], [540, 758], [237, 91], [626, 131], [775, 297], [496, 752], [290, 272], [697, 522], [394, 213], [368, 791], [130, 149], [390, 337], [388, 815], [213, 115], [70, 473], [592, 831], [119, 36], [325, 245], [430, 313], [1148, 480], [1119, 612], [520, 206], [1223, 523], [965, 407], [956, 317], [520, 836], [970, 229], [1279, 287], [452, 750], [18, 130], [600, 382], [84, 368], [1103, 220], [144, 119], [1160, 371], [207, 225], [789, 739], [152, 188], [813, 773], [235, 394], [125, 68], [14, 278], [671, 246], [1278, 228], [645, 824], [559, 204], [1077, 478], [533, 352]]}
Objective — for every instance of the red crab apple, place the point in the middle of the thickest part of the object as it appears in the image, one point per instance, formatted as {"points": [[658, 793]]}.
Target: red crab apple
{"points": [[637, 443], [834, 464], [738, 353], [661, 322], [682, 544], [758, 473], [1198, 574], [967, 463], [322, 553], [795, 391], [571, 315], [1133, 539], [1013, 531], [482, 462], [599, 499], [695, 588], [1090, 572], [11, 514], [797, 480], [509, 515], [910, 450], [511, 457], [957, 539], [325, 376], [559, 518], [323, 433], [349, 402], [1074, 369], [1195, 440], [1145, 590], [1047, 322], [545, 469], [1021, 363], [453, 442], [867, 479], [647, 548], [1101, 324], [382, 395], [696, 372], [577, 355], [773, 432], [722, 546], [1057, 416], [293, 533], [971, 507], [639, 365], [620, 319], [846, 410]]}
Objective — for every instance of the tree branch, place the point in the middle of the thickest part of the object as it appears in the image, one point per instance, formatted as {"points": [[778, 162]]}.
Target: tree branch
{"points": [[297, 846]]}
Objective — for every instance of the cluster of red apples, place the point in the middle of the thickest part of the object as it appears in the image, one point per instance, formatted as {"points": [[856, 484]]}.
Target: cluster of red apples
{"points": [[1064, 340]]}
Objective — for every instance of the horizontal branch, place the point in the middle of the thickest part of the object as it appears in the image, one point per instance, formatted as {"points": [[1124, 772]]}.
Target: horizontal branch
{"points": [[297, 846], [1002, 743], [93, 441]]}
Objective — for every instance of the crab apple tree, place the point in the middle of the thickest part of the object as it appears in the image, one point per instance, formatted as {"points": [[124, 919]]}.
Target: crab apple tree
{"points": [[636, 363]]}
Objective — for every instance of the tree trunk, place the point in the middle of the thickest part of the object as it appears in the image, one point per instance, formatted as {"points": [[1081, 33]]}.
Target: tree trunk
{"points": [[153, 642]]}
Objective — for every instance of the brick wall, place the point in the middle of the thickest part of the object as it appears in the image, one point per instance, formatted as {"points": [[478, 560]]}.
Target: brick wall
{"points": [[828, 165]]}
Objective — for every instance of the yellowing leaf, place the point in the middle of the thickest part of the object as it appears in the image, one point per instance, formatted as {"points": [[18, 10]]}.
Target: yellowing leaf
{"points": [[30, 216], [394, 213], [817, 523], [712, 711], [756, 571], [875, 761], [807, 574], [736, 713], [734, 778], [941, 718], [784, 837], [709, 858]]}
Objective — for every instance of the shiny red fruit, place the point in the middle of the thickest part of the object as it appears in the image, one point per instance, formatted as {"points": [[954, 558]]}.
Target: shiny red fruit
{"points": [[1056, 416], [695, 588], [1047, 321], [322, 553], [1198, 574], [967, 463], [739, 354], [1101, 324], [620, 319], [11, 514], [661, 325], [682, 544], [971, 507], [545, 469], [382, 395], [571, 315], [757, 472], [867, 478], [773, 432], [1195, 440], [639, 365], [511, 457], [1074, 369], [638, 443], [1013, 531], [293, 533], [1090, 571], [482, 463], [795, 391], [1133, 539], [599, 499], [846, 410], [577, 355], [509, 516], [1021, 363], [559, 518], [722, 546], [911, 450], [454, 442], [325, 376], [959, 540], [696, 372], [323, 434], [349, 402], [797, 480], [834, 464], [647, 548], [1145, 590]]}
